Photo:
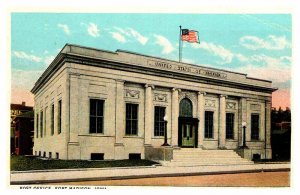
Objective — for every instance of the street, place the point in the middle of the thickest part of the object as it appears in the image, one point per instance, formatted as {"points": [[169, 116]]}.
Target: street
{"points": [[261, 179]]}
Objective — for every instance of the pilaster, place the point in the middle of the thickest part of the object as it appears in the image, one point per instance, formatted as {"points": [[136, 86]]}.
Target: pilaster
{"points": [[222, 121], [175, 114], [74, 104], [200, 115], [268, 125], [148, 113], [120, 120], [120, 110], [242, 118]]}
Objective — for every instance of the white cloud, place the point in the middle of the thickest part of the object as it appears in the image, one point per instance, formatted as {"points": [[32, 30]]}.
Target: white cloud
{"points": [[241, 57], [189, 61], [130, 32], [266, 67], [93, 30], [272, 42], [165, 43], [268, 23], [121, 30], [48, 60], [24, 79], [286, 59], [217, 50], [23, 55], [275, 74], [65, 28], [118, 37], [143, 40]]}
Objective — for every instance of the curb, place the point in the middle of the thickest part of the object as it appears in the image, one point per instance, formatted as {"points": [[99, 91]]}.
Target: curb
{"points": [[82, 169], [147, 176]]}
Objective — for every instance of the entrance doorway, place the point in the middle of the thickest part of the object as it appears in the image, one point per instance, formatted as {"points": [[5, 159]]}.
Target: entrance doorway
{"points": [[188, 132], [187, 125]]}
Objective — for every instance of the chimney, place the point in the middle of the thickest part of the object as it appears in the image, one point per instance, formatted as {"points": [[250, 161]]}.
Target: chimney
{"points": [[23, 103]]}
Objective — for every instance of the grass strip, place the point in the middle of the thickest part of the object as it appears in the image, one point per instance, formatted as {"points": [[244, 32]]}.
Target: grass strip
{"points": [[24, 163]]}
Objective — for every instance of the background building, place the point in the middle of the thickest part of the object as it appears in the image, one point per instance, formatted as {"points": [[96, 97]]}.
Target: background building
{"points": [[281, 134], [15, 110], [97, 104], [24, 130]]}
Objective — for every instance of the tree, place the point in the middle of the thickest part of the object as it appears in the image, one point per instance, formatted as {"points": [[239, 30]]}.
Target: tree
{"points": [[278, 116]]}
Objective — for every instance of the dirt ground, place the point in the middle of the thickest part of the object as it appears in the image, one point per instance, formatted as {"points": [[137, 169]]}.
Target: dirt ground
{"points": [[262, 179]]}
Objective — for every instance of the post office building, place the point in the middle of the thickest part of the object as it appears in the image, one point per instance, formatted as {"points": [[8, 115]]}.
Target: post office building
{"points": [[98, 104]]}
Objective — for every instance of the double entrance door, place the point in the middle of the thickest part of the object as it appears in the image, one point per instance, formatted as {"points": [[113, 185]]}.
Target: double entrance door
{"points": [[187, 132]]}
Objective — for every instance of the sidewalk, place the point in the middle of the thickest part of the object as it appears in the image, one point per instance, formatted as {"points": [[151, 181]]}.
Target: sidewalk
{"points": [[52, 176]]}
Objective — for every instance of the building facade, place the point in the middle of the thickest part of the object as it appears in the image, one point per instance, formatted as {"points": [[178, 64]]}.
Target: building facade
{"points": [[97, 104], [24, 130], [16, 110]]}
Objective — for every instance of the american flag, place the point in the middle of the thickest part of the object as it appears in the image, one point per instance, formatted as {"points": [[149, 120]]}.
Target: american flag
{"points": [[189, 36]]}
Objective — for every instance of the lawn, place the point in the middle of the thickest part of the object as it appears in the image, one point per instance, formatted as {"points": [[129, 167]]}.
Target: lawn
{"points": [[23, 163]]}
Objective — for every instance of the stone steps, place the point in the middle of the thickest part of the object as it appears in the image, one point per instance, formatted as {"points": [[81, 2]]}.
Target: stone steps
{"points": [[206, 155], [209, 160], [199, 157], [188, 164]]}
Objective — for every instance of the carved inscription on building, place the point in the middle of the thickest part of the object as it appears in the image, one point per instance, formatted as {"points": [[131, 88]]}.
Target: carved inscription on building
{"points": [[186, 69], [160, 97], [210, 103], [231, 105], [129, 93]]}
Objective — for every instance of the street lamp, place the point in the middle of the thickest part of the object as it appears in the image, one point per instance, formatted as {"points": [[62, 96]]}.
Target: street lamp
{"points": [[166, 136], [244, 125]]}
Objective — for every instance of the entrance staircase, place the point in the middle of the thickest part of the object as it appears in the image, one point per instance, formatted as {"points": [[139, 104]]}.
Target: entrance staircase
{"points": [[200, 157]]}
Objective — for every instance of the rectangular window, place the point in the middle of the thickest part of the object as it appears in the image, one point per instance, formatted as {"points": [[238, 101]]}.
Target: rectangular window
{"points": [[134, 156], [159, 123], [209, 124], [96, 115], [57, 155], [254, 126], [131, 119], [37, 125], [50, 154], [59, 117], [45, 118], [229, 125], [52, 119], [97, 156], [41, 123]]}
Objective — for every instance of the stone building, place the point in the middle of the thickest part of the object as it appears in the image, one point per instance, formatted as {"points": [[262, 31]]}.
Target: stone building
{"points": [[97, 104]]}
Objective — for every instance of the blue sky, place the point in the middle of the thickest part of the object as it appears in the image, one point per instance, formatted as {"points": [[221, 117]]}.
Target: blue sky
{"points": [[259, 45]]}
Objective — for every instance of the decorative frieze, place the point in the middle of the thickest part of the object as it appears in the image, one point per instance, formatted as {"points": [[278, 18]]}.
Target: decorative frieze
{"points": [[160, 97], [190, 95], [210, 103], [231, 105], [255, 106], [129, 93]]}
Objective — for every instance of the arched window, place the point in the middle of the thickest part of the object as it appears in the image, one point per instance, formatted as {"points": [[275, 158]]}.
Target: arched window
{"points": [[186, 108]]}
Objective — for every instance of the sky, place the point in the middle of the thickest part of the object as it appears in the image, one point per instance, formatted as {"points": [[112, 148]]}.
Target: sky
{"points": [[259, 45]]}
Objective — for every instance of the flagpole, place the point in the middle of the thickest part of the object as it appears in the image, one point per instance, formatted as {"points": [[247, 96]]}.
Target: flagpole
{"points": [[180, 43]]}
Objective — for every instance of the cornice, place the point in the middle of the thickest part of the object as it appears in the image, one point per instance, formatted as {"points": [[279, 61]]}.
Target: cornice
{"points": [[62, 58]]}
